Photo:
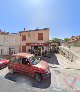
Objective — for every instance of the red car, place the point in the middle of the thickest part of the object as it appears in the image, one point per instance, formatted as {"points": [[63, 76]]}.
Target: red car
{"points": [[3, 62], [28, 64]]}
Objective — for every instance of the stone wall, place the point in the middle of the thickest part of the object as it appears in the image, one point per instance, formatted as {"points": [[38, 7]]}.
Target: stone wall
{"points": [[68, 53], [76, 50]]}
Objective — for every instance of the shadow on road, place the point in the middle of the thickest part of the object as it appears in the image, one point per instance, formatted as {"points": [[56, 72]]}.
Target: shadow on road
{"points": [[3, 67], [52, 59], [28, 81]]}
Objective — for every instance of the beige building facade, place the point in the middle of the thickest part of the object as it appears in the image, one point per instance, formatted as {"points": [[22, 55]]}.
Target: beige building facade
{"points": [[9, 44], [35, 41]]}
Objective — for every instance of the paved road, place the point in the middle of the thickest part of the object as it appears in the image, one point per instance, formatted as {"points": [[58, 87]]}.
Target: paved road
{"points": [[62, 80]]}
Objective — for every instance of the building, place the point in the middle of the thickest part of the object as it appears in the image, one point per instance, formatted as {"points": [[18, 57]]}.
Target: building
{"points": [[9, 43], [3, 32], [73, 41], [35, 41]]}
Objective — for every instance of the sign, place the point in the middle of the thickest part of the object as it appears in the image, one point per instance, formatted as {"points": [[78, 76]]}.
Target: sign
{"points": [[37, 44]]}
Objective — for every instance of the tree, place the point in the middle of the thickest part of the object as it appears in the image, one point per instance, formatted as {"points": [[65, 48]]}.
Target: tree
{"points": [[66, 39], [56, 40]]}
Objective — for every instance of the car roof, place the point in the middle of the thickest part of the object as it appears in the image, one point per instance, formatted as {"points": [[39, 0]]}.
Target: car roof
{"points": [[23, 55]]}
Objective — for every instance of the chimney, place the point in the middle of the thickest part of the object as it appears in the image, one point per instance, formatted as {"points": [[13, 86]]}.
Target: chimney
{"points": [[24, 29]]}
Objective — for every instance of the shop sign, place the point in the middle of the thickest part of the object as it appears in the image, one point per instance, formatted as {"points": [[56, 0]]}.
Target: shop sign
{"points": [[37, 44]]}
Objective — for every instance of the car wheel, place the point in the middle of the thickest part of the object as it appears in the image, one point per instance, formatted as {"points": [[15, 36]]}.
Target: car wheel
{"points": [[38, 77], [11, 71]]}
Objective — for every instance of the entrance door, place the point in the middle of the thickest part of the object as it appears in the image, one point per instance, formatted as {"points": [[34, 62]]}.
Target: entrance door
{"points": [[39, 51], [11, 51], [1, 51], [36, 50]]}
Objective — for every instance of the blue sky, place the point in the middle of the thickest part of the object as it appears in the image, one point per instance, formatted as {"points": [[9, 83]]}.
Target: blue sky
{"points": [[61, 16]]}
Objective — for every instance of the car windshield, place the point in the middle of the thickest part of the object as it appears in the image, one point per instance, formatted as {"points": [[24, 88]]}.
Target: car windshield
{"points": [[34, 60], [1, 58]]}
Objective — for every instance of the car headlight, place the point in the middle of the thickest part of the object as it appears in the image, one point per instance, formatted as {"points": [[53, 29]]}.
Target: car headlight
{"points": [[1, 62]]}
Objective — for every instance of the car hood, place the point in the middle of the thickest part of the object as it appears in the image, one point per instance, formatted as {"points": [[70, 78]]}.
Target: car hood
{"points": [[42, 64]]}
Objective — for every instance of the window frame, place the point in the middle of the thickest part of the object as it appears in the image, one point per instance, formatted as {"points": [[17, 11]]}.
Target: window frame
{"points": [[17, 60], [23, 37], [12, 61], [23, 48], [40, 36]]}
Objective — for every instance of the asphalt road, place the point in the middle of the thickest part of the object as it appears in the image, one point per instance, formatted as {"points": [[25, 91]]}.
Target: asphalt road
{"points": [[62, 80]]}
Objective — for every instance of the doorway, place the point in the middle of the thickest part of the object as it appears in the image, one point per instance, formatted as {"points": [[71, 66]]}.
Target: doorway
{"points": [[36, 50], [11, 51], [1, 51]]}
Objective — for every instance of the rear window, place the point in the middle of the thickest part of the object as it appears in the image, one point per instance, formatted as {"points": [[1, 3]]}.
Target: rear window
{"points": [[15, 60], [12, 59]]}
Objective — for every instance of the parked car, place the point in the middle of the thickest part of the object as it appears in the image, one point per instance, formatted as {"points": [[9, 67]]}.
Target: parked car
{"points": [[26, 63], [3, 62]]}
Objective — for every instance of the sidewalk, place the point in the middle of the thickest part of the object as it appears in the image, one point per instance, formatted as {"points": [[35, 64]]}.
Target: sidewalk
{"points": [[58, 61]]}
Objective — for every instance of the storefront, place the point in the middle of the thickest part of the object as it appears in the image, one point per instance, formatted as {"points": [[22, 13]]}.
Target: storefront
{"points": [[39, 49]]}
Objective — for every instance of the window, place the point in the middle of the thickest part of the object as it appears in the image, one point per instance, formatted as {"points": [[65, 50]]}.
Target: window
{"points": [[23, 48], [40, 36], [23, 37], [1, 58], [17, 60], [34, 60], [25, 61], [12, 59]]}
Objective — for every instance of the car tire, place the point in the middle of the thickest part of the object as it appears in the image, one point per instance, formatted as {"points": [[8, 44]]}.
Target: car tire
{"points": [[38, 77], [11, 71]]}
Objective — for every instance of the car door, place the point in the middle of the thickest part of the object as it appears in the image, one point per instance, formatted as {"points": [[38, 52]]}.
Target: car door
{"points": [[16, 64], [26, 67]]}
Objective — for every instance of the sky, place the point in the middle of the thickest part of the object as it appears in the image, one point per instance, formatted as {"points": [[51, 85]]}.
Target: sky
{"points": [[61, 16]]}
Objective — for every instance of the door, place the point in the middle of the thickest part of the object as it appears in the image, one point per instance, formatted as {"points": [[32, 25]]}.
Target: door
{"points": [[1, 51], [26, 67], [39, 51], [11, 51]]}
